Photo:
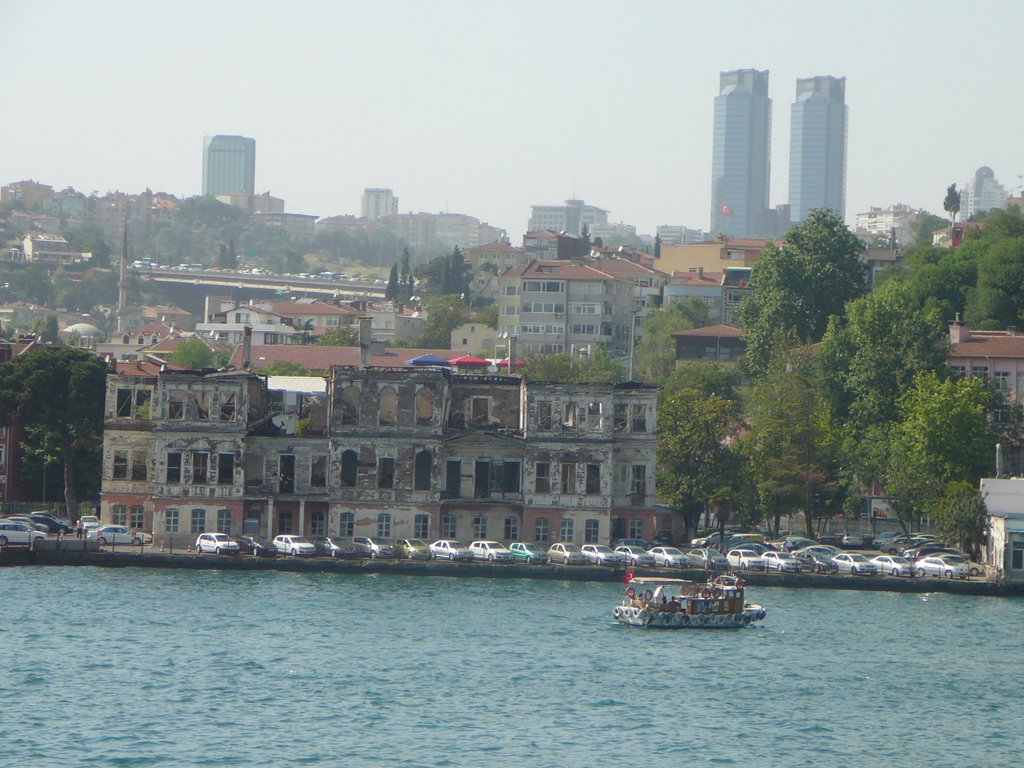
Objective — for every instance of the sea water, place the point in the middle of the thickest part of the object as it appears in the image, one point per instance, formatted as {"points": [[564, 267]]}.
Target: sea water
{"points": [[136, 667]]}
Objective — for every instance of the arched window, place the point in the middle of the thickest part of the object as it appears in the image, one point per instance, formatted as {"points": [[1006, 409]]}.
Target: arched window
{"points": [[349, 462], [424, 465], [425, 406], [387, 415], [350, 405], [126, 339]]}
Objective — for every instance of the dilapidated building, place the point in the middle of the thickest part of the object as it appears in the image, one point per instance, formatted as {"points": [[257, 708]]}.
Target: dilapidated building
{"points": [[425, 453]]}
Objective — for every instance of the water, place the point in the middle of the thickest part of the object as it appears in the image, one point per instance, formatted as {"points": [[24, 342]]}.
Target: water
{"points": [[126, 667]]}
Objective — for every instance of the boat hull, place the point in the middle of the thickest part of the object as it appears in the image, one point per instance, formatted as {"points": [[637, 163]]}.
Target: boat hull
{"points": [[633, 616]]}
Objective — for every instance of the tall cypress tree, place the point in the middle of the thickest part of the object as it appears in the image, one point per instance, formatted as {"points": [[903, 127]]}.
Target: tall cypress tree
{"points": [[391, 292]]}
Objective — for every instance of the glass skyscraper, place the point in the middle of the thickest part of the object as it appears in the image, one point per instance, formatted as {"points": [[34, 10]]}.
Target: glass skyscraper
{"points": [[229, 165], [817, 147], [741, 158]]}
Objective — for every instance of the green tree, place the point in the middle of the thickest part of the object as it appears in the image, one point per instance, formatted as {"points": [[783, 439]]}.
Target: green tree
{"points": [[391, 291], [57, 394], [405, 282], [47, 329], [706, 377], [800, 285], [444, 313], [194, 354], [656, 353], [961, 516], [343, 336], [88, 238], [597, 368], [925, 226], [285, 368], [488, 316], [657, 247], [997, 299], [952, 203]]}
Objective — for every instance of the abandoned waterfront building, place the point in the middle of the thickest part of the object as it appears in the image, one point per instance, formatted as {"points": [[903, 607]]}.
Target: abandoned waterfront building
{"points": [[426, 453]]}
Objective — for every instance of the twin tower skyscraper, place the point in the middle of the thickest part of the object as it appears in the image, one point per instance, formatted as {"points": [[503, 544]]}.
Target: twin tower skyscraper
{"points": [[741, 158]]}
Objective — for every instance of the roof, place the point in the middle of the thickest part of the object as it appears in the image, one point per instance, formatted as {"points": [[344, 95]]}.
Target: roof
{"points": [[984, 345], [540, 234], [617, 266], [722, 331], [161, 329], [739, 242], [495, 247], [697, 278], [164, 309], [297, 308], [321, 358], [560, 268]]}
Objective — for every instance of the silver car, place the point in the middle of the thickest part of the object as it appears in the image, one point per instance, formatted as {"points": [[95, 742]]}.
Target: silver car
{"points": [[745, 559], [601, 554], [946, 566], [894, 565], [217, 543], [568, 554], [670, 557], [708, 559], [781, 561], [855, 564], [635, 556], [373, 547]]}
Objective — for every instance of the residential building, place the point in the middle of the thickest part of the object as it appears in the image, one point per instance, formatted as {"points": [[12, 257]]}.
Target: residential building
{"points": [[817, 147], [29, 193], [263, 203], [229, 165], [607, 232], [315, 316], [700, 284], [741, 155], [302, 225], [982, 194], [648, 284], [895, 221], [670, 234], [721, 343], [378, 202], [229, 323], [545, 244], [501, 254], [711, 256], [1004, 548], [67, 204], [38, 246], [570, 218], [473, 339]]}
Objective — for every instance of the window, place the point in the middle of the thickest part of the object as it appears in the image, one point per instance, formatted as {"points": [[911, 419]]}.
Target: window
{"points": [[421, 526], [636, 529], [591, 531], [447, 526], [569, 416], [482, 480], [387, 415], [544, 414], [385, 472], [347, 524], [286, 473], [350, 405], [140, 462], [318, 472], [425, 406], [200, 467], [980, 370], [120, 465], [453, 479], [225, 469], [510, 477], [541, 530], [568, 477], [198, 520], [621, 417], [480, 411], [480, 527], [318, 524], [422, 470], [384, 525], [124, 403], [565, 530], [511, 528], [137, 520], [593, 479], [349, 466], [1017, 556], [594, 413], [176, 405], [119, 514], [639, 484], [542, 480], [171, 520], [142, 398], [1002, 379], [227, 407], [224, 521], [284, 521], [639, 418], [201, 405]]}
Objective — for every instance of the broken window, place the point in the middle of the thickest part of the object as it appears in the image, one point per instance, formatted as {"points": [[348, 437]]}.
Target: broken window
{"points": [[225, 468], [350, 405], [124, 403], [200, 406], [227, 407], [510, 477], [349, 467], [120, 465], [318, 472], [176, 405], [544, 414], [621, 417], [387, 415], [594, 413], [569, 416], [639, 418], [593, 479], [480, 411], [142, 400], [542, 480], [140, 462], [174, 467], [482, 480], [421, 526], [286, 473], [453, 479], [200, 467], [253, 469], [568, 477], [385, 472], [425, 406], [424, 464], [638, 487]]}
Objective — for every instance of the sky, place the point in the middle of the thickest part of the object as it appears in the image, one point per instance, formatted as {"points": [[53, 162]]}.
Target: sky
{"points": [[488, 108]]}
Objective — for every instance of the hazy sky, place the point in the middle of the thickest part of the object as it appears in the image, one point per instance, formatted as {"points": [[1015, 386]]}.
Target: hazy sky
{"points": [[486, 108]]}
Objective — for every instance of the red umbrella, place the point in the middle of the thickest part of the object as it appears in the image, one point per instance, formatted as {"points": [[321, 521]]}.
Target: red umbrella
{"points": [[504, 363], [468, 360]]}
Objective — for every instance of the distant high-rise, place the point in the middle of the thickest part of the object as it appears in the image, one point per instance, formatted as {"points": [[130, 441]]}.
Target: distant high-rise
{"points": [[983, 194], [570, 218], [378, 202], [741, 158], [229, 165], [817, 147]]}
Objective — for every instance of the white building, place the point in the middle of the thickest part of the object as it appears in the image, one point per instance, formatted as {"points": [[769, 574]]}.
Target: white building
{"points": [[569, 218], [882, 221], [379, 202], [983, 194], [671, 234], [1004, 498]]}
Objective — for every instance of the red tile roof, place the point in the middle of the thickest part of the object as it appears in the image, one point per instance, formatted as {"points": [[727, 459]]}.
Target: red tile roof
{"points": [[160, 329], [1001, 345], [295, 309], [495, 247], [569, 270], [697, 278]]}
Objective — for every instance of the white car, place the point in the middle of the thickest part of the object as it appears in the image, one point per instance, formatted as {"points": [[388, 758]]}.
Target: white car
{"points": [[491, 551], [450, 549], [854, 564], [567, 554], [113, 534], [669, 557], [781, 561], [218, 543], [894, 565], [943, 565], [296, 546], [88, 522], [746, 559], [635, 556], [601, 554], [14, 532]]}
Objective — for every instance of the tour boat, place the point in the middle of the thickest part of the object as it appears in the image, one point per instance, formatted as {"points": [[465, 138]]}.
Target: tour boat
{"points": [[680, 604]]}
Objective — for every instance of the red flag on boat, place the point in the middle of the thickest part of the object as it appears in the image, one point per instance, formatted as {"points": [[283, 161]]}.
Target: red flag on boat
{"points": [[628, 576]]}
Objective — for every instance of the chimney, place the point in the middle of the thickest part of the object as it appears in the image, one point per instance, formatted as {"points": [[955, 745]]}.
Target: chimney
{"points": [[365, 331], [246, 347], [958, 331]]}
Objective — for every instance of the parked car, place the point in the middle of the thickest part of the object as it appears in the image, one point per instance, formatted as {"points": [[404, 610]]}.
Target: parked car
{"points": [[856, 541], [894, 565], [114, 534], [412, 549], [26, 520], [741, 540], [296, 546], [824, 549], [528, 552], [334, 546], [373, 547], [56, 518], [746, 559], [712, 539], [53, 525], [793, 543], [450, 549], [644, 545], [256, 545], [814, 561], [88, 522], [16, 532], [708, 559], [635, 556], [491, 551], [879, 540], [567, 554], [946, 566], [924, 550], [670, 557], [601, 554], [218, 543], [781, 561], [855, 564]]}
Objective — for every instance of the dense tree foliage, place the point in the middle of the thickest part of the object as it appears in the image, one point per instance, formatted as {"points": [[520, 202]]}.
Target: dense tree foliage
{"points": [[444, 275], [342, 336], [597, 368], [444, 314], [656, 353]]}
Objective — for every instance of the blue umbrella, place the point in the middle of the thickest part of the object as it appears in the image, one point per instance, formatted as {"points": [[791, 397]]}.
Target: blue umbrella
{"points": [[427, 359]]}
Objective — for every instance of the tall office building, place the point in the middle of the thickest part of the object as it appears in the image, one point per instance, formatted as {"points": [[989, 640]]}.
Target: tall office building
{"points": [[741, 158], [983, 194], [229, 165], [817, 147], [378, 202]]}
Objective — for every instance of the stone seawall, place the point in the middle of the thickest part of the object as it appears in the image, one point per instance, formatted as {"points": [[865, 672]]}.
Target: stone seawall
{"points": [[88, 556]]}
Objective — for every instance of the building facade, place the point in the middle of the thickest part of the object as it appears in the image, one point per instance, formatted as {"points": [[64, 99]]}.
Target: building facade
{"points": [[817, 147], [378, 202], [982, 194], [570, 218], [229, 165]]}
